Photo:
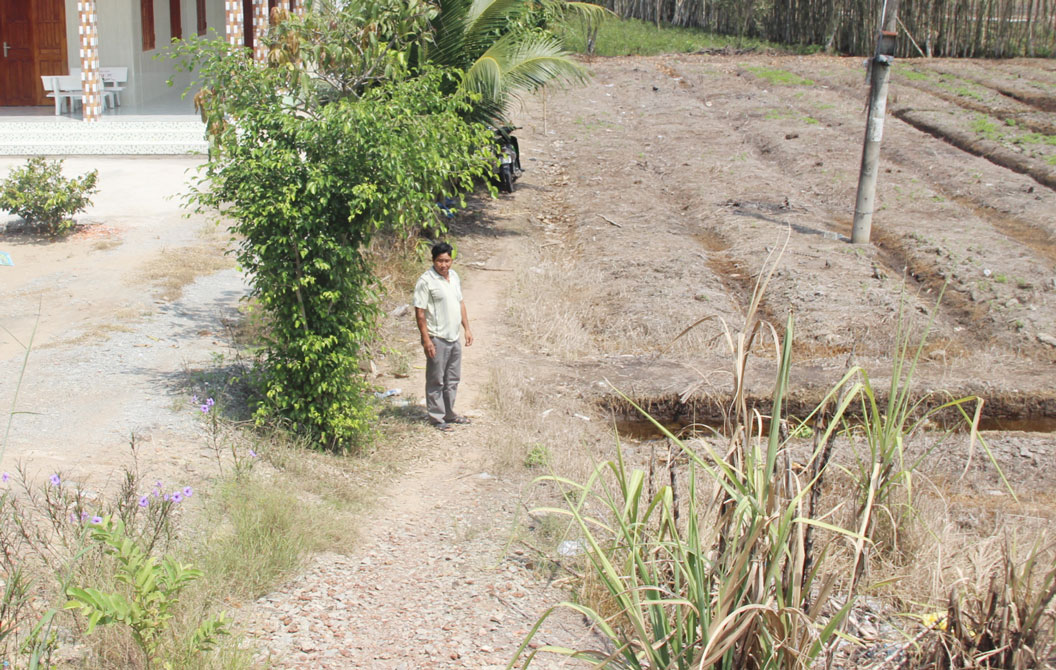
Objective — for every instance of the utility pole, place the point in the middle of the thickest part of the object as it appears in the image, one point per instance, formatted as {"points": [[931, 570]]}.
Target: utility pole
{"points": [[879, 73]]}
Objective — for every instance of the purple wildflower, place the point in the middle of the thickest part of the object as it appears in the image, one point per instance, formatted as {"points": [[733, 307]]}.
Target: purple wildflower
{"points": [[205, 409], [84, 516], [166, 497], [252, 454], [210, 402], [194, 398], [177, 497], [157, 484], [187, 491], [5, 477], [97, 520], [55, 480], [144, 501], [157, 492]]}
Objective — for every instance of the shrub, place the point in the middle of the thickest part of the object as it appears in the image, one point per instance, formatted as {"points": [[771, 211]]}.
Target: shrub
{"points": [[150, 598], [39, 193]]}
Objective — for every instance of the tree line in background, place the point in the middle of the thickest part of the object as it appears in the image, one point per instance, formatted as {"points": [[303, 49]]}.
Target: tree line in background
{"points": [[955, 28]]}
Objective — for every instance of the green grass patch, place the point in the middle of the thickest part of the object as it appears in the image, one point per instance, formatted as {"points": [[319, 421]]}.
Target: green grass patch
{"points": [[779, 77], [593, 124], [914, 75], [262, 529], [626, 37], [987, 127], [962, 89], [1035, 138]]}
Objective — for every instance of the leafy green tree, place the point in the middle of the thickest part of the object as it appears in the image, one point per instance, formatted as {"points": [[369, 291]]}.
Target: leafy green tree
{"points": [[313, 153]]}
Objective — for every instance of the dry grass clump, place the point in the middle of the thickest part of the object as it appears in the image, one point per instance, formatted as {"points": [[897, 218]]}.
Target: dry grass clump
{"points": [[173, 269], [559, 320], [535, 428], [1002, 619]]}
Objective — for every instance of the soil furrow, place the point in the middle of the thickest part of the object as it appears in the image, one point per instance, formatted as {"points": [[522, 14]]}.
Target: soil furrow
{"points": [[1015, 91], [992, 151], [1007, 114]]}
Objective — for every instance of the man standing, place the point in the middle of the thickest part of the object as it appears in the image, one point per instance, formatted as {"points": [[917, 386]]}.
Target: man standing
{"points": [[440, 313]]}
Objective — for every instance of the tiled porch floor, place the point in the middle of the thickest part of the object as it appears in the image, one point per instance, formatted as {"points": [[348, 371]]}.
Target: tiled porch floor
{"points": [[126, 112]]}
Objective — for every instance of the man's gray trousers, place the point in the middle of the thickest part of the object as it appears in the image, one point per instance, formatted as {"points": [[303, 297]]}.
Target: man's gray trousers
{"points": [[442, 373]]}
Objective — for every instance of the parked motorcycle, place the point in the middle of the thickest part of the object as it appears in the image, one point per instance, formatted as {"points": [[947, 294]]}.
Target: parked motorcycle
{"points": [[509, 168]]}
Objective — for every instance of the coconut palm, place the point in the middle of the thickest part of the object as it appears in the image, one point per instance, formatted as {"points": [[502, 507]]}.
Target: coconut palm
{"points": [[504, 48]]}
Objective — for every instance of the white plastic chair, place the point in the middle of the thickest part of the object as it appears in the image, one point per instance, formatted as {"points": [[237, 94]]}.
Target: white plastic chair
{"points": [[114, 79], [62, 88]]}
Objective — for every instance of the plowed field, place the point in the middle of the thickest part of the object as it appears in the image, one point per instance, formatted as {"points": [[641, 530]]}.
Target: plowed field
{"points": [[663, 186]]}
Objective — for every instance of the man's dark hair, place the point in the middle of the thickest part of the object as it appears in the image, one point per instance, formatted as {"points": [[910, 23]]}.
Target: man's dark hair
{"points": [[441, 248]]}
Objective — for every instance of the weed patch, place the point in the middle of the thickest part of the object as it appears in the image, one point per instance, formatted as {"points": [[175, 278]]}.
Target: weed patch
{"points": [[779, 77], [173, 269], [988, 128], [627, 37]]}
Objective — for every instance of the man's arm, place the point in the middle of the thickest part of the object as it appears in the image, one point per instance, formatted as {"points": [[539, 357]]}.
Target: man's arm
{"points": [[427, 342], [465, 325]]}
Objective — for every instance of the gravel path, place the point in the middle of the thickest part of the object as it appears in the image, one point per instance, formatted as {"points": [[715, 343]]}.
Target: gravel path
{"points": [[437, 580], [434, 586]]}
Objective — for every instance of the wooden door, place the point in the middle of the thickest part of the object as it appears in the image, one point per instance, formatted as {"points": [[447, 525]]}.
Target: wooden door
{"points": [[34, 37]]}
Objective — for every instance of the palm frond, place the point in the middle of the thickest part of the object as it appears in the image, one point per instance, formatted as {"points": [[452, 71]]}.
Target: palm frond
{"points": [[466, 28], [585, 10], [516, 65], [486, 20], [538, 60], [485, 77]]}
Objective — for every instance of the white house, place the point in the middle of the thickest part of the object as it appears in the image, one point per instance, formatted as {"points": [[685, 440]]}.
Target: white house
{"points": [[84, 39], [57, 37]]}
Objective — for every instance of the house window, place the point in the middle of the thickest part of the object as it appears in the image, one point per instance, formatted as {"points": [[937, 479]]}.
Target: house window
{"points": [[146, 13], [201, 17], [175, 20]]}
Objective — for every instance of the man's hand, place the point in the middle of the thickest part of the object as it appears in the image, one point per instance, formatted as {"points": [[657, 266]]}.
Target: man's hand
{"points": [[427, 342], [465, 325]]}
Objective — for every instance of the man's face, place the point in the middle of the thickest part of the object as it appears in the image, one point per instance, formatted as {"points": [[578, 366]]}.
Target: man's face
{"points": [[442, 264]]}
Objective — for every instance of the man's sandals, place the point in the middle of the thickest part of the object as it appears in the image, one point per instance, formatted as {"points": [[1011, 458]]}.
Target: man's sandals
{"points": [[450, 425]]}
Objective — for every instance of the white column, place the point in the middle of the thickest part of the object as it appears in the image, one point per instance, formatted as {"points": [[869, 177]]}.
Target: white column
{"points": [[91, 82], [233, 22], [260, 29]]}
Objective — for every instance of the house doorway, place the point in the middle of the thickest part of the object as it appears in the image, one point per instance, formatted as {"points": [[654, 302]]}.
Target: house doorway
{"points": [[33, 33]]}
